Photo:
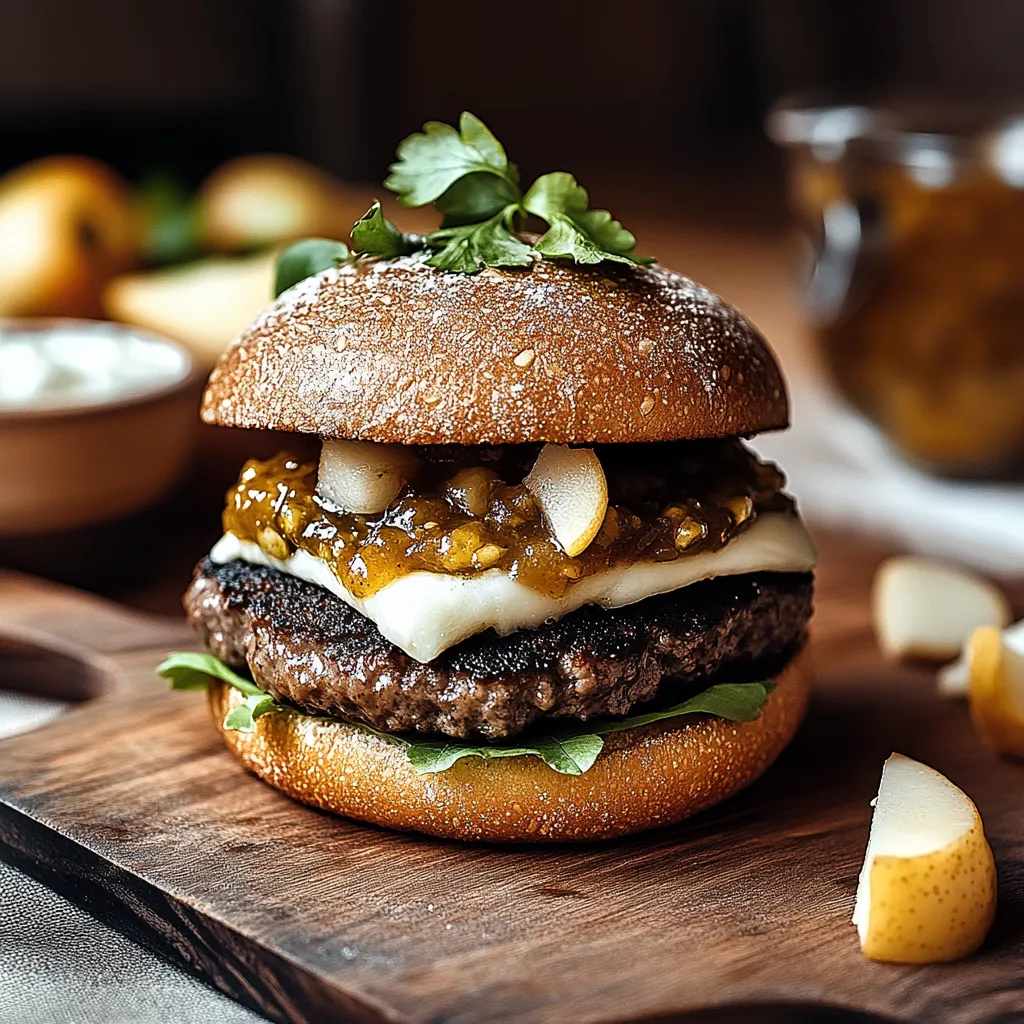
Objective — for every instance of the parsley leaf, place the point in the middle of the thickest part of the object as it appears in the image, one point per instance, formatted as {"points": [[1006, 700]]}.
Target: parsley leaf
{"points": [[575, 231], [475, 198], [306, 258], [470, 247], [374, 235], [569, 749], [431, 161]]}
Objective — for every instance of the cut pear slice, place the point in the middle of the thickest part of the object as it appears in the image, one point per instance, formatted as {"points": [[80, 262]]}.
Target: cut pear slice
{"points": [[570, 487], [927, 890], [996, 690], [363, 476], [954, 679], [203, 304], [926, 609]]}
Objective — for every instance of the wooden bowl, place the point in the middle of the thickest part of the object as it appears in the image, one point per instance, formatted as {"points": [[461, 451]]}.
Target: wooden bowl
{"points": [[77, 462]]}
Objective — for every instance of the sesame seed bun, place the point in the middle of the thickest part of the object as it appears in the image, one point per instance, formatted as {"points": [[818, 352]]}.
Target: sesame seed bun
{"points": [[398, 351], [644, 778]]}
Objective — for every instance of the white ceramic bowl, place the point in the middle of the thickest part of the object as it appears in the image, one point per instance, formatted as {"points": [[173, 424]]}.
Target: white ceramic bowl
{"points": [[97, 421]]}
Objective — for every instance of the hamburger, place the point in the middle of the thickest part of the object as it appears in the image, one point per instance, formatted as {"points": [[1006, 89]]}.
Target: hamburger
{"points": [[535, 587]]}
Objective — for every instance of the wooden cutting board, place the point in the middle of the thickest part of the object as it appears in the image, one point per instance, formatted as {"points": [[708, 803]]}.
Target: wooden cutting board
{"points": [[130, 806]]}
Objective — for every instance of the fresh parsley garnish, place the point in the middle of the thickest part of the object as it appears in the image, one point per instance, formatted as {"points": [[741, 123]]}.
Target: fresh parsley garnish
{"points": [[465, 173], [374, 235], [570, 749], [469, 179], [306, 258], [575, 231], [432, 161], [465, 248]]}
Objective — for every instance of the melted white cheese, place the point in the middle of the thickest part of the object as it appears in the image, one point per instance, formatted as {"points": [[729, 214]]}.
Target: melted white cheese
{"points": [[425, 613]]}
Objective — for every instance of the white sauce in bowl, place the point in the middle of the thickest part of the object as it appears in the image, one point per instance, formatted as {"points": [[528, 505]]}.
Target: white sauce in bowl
{"points": [[71, 365]]}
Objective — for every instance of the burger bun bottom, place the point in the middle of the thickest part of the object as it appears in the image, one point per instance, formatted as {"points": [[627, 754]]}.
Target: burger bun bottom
{"points": [[644, 778]]}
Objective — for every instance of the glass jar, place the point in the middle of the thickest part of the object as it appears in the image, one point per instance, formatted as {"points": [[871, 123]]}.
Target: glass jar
{"points": [[916, 277]]}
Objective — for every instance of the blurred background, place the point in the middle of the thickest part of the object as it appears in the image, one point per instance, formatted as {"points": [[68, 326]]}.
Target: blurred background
{"points": [[851, 175]]}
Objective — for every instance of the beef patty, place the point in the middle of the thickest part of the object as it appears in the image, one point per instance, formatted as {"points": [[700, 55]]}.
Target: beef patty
{"points": [[310, 649]]}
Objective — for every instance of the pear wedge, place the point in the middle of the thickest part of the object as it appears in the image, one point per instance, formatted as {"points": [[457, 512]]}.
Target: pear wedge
{"points": [[995, 666], [572, 492], [954, 679], [205, 304], [928, 609], [927, 889]]}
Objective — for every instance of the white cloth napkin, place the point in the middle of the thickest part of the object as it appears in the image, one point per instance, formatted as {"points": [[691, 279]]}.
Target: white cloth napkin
{"points": [[60, 966], [20, 712], [845, 474]]}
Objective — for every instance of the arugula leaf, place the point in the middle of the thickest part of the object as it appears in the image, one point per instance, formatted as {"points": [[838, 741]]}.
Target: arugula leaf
{"points": [[190, 670], [306, 258], [737, 702], [374, 235], [570, 755], [576, 232], [431, 161], [242, 717], [470, 247], [569, 749], [573, 749]]}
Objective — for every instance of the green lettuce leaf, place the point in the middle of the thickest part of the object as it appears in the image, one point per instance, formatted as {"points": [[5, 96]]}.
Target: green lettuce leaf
{"points": [[190, 670], [569, 749]]}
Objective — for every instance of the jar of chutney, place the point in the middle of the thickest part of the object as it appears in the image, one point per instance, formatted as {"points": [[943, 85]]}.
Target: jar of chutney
{"points": [[914, 224]]}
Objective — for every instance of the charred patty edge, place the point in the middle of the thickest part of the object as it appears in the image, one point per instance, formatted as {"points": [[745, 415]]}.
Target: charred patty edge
{"points": [[308, 648]]}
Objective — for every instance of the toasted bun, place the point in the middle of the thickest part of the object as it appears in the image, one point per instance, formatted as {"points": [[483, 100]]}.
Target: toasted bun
{"points": [[643, 778], [398, 351]]}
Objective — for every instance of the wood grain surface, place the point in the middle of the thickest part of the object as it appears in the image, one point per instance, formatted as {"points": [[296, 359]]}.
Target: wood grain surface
{"points": [[129, 805]]}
